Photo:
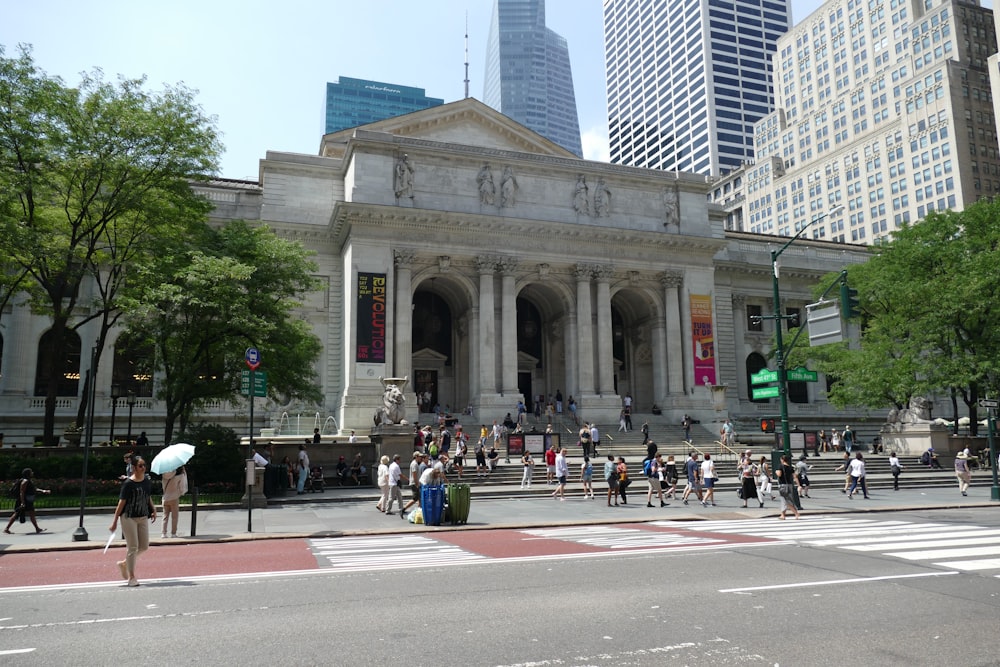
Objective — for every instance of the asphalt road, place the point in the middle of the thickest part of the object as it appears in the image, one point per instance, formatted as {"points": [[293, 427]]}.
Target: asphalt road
{"points": [[817, 592]]}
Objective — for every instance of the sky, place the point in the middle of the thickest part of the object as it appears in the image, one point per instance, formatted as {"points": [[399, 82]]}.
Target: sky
{"points": [[261, 67]]}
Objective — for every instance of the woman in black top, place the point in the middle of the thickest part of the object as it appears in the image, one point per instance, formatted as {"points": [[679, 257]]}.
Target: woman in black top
{"points": [[786, 481], [135, 506], [25, 505]]}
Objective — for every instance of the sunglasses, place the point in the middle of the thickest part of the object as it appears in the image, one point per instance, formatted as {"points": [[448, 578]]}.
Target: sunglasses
{"points": [[140, 465]]}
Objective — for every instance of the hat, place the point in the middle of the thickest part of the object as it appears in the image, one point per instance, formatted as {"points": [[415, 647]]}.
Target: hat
{"points": [[416, 454], [961, 455]]}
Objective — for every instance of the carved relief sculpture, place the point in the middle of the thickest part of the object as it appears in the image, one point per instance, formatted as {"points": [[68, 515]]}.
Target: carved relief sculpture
{"points": [[402, 181], [508, 188], [602, 199], [581, 199], [671, 210], [487, 189]]}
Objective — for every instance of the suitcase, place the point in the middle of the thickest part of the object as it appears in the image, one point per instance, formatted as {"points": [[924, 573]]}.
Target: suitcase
{"points": [[459, 499], [432, 503]]}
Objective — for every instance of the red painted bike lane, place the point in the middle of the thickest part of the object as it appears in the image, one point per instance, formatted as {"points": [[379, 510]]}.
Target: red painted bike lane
{"points": [[161, 561]]}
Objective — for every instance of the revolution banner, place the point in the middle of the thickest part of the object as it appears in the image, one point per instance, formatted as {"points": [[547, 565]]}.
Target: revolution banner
{"points": [[371, 319]]}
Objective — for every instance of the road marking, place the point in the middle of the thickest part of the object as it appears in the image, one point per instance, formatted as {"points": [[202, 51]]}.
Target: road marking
{"points": [[970, 565], [930, 554], [391, 551], [834, 582], [15, 651], [610, 537]]}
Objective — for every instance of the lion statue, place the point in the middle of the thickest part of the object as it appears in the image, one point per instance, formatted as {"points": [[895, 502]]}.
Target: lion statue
{"points": [[919, 412], [393, 410]]}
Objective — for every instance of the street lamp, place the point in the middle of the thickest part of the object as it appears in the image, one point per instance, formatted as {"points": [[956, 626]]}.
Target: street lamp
{"points": [[90, 387], [131, 404], [116, 393], [779, 351]]}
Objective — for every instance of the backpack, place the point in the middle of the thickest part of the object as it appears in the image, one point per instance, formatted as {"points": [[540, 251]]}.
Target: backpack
{"points": [[15, 490], [647, 467]]}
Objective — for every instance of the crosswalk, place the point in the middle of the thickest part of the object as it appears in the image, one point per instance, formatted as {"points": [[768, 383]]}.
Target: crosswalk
{"points": [[613, 537], [388, 552], [963, 547]]}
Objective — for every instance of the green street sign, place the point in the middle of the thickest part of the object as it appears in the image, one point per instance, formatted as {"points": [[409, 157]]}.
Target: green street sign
{"points": [[764, 376], [765, 392], [259, 383], [802, 374]]}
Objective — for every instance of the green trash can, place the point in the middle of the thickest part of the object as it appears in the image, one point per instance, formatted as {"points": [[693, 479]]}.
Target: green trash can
{"points": [[459, 499]]}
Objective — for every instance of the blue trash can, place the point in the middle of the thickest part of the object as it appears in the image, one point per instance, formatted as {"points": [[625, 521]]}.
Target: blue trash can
{"points": [[432, 503]]}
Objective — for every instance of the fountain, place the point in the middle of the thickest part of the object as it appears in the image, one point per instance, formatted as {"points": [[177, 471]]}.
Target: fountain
{"points": [[336, 427]]}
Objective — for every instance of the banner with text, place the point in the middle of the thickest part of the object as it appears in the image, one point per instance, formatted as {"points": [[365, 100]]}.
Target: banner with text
{"points": [[703, 339], [371, 320]]}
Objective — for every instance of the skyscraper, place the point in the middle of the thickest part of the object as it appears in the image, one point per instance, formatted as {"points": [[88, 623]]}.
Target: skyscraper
{"points": [[353, 102], [528, 74], [687, 80]]}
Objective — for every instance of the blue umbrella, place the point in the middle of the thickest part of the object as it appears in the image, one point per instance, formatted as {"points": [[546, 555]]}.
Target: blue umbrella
{"points": [[172, 458]]}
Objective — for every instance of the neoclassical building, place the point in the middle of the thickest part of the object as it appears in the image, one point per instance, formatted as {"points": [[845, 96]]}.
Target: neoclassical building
{"points": [[487, 265]]}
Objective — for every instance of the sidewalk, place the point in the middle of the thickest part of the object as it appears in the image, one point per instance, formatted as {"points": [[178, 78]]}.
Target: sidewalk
{"points": [[344, 512]]}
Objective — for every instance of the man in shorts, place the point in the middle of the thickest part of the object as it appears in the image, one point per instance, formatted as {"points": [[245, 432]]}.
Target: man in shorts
{"points": [[611, 476], [693, 470]]}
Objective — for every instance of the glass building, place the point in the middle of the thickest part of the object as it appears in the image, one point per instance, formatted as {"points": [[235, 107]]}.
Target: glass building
{"points": [[353, 102], [687, 80], [528, 74]]}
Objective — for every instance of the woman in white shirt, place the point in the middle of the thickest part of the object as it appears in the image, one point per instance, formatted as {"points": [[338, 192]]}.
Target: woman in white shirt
{"points": [[858, 476], [896, 468], [708, 477]]}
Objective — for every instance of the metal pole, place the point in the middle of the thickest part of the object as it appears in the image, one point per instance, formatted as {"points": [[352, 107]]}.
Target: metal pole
{"points": [[995, 489], [131, 404], [779, 355], [114, 407], [80, 534], [250, 458]]}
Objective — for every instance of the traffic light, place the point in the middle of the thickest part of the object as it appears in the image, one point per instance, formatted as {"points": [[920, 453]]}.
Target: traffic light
{"points": [[850, 307], [767, 425]]}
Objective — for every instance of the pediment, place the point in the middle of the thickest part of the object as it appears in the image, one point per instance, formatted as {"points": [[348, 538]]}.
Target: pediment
{"points": [[467, 122], [428, 358]]}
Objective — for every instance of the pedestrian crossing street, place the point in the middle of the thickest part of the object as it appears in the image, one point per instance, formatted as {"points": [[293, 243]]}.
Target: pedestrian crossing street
{"points": [[967, 548], [385, 553]]}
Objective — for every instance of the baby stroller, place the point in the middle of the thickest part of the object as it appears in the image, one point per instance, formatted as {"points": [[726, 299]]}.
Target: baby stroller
{"points": [[315, 479]]}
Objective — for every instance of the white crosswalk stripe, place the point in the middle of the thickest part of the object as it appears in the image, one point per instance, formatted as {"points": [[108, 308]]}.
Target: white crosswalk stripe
{"points": [[962, 547], [387, 552], [611, 537]]}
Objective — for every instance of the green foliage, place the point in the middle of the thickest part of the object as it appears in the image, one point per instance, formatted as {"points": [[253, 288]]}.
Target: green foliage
{"points": [[218, 458], [929, 302], [225, 290]]}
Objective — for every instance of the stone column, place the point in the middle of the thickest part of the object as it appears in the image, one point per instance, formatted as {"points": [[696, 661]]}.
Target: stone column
{"points": [[572, 381], [672, 281], [508, 327], [605, 348], [739, 347], [402, 365], [18, 376], [486, 265], [659, 344], [584, 330]]}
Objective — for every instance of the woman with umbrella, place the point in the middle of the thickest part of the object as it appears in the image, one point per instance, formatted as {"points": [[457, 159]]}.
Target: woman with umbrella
{"points": [[136, 508], [175, 485]]}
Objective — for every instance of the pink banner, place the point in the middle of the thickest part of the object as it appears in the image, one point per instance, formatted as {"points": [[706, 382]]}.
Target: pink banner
{"points": [[703, 339]]}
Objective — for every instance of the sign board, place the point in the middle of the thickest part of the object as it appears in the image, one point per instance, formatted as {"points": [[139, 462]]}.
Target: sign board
{"points": [[765, 392], [259, 383], [801, 374], [764, 376], [252, 357], [825, 325], [989, 403]]}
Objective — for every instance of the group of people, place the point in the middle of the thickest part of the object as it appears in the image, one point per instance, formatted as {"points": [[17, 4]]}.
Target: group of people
{"points": [[391, 479]]}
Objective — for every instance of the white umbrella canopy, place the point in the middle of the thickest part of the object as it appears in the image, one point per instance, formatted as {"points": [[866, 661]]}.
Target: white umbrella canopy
{"points": [[941, 421], [172, 457], [963, 421]]}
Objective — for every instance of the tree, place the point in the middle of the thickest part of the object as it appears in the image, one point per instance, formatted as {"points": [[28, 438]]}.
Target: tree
{"points": [[929, 302], [231, 288], [90, 177]]}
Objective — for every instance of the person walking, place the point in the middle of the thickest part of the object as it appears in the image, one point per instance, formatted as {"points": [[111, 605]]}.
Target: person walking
{"points": [[962, 472], [611, 477], [587, 477], [835, 440], [895, 467], [670, 477], [802, 475], [24, 505], [655, 480], [382, 479], [595, 439], [623, 480], [747, 482], [644, 429], [858, 476], [708, 478], [686, 425], [847, 437], [693, 471], [550, 465], [562, 474], [417, 467], [764, 480], [303, 469], [621, 421], [395, 490], [136, 510], [786, 483], [846, 467], [529, 469], [175, 485]]}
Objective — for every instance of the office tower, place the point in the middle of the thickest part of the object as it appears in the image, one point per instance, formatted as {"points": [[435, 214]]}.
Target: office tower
{"points": [[528, 74], [687, 80], [353, 102], [883, 107]]}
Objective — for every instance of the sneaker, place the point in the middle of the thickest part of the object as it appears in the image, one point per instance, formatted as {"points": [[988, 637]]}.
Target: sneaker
{"points": [[704, 504], [163, 536], [132, 583], [685, 501], [174, 535], [649, 504]]}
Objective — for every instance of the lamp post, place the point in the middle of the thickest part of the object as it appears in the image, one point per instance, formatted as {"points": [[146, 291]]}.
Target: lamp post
{"points": [[131, 404], [116, 393], [80, 534], [779, 351]]}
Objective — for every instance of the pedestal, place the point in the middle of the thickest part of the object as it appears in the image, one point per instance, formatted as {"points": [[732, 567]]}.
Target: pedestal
{"points": [[392, 439], [258, 499], [915, 439]]}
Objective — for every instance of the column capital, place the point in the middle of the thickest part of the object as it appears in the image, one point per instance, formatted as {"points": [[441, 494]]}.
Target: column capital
{"points": [[604, 272], [583, 272], [739, 300], [485, 263], [672, 279], [507, 265], [403, 257]]}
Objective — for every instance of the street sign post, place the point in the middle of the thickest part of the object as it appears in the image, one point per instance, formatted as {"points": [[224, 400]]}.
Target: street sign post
{"points": [[764, 376], [765, 392], [802, 374], [252, 357], [259, 383], [989, 403]]}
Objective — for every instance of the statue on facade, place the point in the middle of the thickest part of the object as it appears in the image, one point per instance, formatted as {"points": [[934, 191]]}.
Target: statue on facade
{"points": [[581, 200], [508, 188], [670, 208], [487, 189], [402, 181], [393, 410], [602, 199]]}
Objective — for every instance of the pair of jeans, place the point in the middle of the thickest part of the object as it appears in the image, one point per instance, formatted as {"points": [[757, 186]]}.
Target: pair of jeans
{"points": [[854, 485]]}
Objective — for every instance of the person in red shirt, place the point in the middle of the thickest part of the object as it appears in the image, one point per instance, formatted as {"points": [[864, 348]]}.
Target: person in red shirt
{"points": [[550, 466]]}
